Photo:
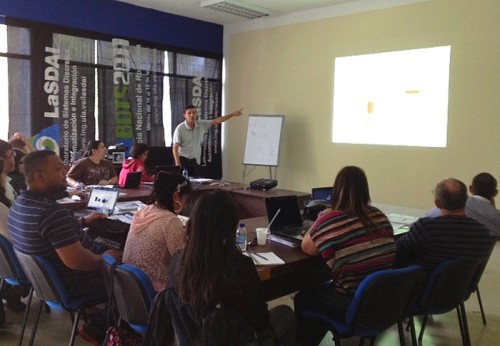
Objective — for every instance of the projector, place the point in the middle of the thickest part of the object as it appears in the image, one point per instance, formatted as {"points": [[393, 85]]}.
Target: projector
{"points": [[263, 184]]}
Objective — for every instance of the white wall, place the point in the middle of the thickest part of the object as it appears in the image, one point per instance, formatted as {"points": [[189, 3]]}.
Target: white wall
{"points": [[288, 69]]}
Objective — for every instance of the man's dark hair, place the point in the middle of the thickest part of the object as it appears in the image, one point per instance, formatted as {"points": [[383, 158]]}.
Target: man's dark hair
{"points": [[189, 107], [484, 185], [36, 162], [452, 194]]}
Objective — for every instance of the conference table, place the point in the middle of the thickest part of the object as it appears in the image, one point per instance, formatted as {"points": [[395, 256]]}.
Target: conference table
{"points": [[250, 202], [298, 272]]}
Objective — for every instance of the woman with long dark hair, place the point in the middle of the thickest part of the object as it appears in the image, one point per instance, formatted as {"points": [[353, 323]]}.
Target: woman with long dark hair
{"points": [[12, 294], [355, 239], [94, 168], [135, 163], [156, 232], [212, 270]]}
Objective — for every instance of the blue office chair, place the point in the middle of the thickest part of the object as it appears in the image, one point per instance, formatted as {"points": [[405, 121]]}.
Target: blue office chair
{"points": [[49, 288], [12, 273], [445, 290], [132, 293], [383, 299]]}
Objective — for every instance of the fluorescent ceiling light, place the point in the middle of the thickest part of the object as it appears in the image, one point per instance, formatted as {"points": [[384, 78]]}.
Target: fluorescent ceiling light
{"points": [[236, 8]]}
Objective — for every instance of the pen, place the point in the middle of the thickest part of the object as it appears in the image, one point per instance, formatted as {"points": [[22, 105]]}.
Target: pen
{"points": [[272, 220], [258, 255]]}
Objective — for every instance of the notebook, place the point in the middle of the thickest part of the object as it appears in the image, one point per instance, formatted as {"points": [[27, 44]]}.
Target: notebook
{"points": [[322, 193], [133, 180], [288, 223], [101, 198]]}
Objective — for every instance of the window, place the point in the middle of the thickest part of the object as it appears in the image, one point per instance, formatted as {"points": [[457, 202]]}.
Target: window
{"points": [[74, 87]]}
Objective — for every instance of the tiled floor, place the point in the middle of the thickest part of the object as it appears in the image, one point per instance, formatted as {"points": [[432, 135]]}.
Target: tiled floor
{"points": [[442, 330]]}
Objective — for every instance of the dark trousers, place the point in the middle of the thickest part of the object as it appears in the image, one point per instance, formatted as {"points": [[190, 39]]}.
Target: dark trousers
{"points": [[323, 298], [192, 166]]}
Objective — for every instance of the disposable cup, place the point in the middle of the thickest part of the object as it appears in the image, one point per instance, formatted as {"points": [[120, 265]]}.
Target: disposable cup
{"points": [[261, 235]]}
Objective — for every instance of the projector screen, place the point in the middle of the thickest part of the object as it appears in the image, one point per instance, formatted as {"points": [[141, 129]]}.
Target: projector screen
{"points": [[392, 98]]}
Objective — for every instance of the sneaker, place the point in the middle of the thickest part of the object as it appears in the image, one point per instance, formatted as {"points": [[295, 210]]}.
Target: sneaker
{"points": [[91, 334]]}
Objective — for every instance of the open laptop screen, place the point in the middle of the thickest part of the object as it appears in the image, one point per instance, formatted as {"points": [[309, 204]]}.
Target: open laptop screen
{"points": [[133, 180], [289, 215], [322, 193], [103, 198]]}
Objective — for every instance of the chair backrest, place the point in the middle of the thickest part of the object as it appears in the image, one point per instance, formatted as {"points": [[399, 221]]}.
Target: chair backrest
{"points": [[384, 298], [480, 268], [173, 322], [10, 268], [44, 279], [132, 292], [447, 287]]}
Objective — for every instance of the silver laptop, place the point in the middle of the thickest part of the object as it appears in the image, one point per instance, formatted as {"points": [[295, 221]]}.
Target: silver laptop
{"points": [[101, 200]]}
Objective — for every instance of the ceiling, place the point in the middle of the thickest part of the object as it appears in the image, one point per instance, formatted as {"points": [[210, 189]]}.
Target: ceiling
{"points": [[193, 9]]}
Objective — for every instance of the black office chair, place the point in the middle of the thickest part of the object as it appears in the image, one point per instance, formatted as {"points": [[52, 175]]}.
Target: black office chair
{"points": [[477, 277], [445, 290], [173, 322], [383, 299], [132, 293], [49, 288], [12, 273]]}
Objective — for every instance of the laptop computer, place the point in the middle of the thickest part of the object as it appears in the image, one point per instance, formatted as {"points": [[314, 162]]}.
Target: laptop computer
{"points": [[288, 223], [133, 180], [322, 193], [101, 200]]}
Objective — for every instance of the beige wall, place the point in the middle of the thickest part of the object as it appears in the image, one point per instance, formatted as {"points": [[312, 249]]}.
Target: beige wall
{"points": [[289, 70]]}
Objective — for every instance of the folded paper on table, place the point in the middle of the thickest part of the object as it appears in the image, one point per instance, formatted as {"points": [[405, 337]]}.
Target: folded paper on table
{"points": [[268, 258]]}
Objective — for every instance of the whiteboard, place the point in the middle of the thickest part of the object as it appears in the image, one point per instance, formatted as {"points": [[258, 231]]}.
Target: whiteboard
{"points": [[263, 140]]}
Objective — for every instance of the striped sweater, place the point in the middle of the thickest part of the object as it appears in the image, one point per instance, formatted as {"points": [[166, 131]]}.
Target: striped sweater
{"points": [[431, 241], [350, 249]]}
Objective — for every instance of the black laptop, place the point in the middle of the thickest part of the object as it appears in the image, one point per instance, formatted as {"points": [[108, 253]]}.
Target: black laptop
{"points": [[133, 180], [288, 223], [322, 193]]}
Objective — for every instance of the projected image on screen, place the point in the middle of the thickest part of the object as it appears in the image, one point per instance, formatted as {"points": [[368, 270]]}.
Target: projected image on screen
{"points": [[394, 98]]}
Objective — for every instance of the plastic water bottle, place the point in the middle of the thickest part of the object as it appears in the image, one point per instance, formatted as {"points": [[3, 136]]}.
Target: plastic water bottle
{"points": [[241, 237]]}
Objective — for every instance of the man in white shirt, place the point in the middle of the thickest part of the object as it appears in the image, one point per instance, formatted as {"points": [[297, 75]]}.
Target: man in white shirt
{"points": [[188, 138], [481, 205]]}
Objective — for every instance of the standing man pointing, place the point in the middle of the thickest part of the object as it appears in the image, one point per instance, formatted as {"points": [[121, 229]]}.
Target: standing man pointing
{"points": [[188, 137]]}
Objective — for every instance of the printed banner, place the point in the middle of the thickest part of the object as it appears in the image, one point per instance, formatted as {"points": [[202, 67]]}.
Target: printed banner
{"points": [[47, 139]]}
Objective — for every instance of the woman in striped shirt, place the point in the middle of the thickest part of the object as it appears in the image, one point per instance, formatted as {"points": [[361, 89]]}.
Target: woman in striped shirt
{"points": [[354, 239]]}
